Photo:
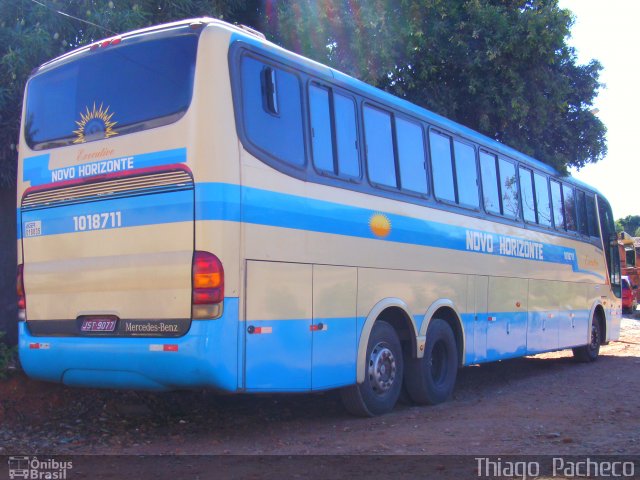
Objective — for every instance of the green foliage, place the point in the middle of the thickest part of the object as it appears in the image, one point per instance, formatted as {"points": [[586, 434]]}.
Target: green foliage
{"points": [[499, 66], [8, 357], [629, 224]]}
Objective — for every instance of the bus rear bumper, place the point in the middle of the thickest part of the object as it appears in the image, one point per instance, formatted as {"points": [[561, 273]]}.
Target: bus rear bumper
{"points": [[205, 357]]}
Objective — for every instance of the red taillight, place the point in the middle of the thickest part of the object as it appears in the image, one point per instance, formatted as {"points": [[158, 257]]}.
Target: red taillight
{"points": [[208, 285], [22, 299]]}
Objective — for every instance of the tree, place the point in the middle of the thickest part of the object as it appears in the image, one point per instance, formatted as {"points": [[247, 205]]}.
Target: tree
{"points": [[501, 67], [629, 224]]}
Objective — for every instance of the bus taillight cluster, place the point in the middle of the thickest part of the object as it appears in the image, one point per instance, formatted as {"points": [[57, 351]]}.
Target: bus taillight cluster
{"points": [[208, 285], [22, 299]]}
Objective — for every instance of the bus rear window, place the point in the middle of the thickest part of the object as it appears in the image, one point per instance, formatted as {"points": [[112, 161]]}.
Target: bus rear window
{"points": [[134, 86]]}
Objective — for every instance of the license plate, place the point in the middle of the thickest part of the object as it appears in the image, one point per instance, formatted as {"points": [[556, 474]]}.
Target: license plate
{"points": [[98, 324]]}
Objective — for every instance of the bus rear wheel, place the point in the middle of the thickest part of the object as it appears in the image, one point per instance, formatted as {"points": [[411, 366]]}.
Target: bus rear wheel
{"points": [[384, 370], [590, 352], [430, 380]]}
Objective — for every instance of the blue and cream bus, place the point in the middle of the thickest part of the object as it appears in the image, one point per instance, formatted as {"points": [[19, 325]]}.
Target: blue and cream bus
{"points": [[200, 208]]}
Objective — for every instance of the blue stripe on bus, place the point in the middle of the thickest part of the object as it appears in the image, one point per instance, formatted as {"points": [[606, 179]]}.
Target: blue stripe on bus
{"points": [[228, 202], [315, 361], [37, 171], [156, 209], [275, 209]]}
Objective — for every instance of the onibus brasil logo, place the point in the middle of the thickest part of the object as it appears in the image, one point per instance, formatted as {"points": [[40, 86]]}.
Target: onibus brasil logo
{"points": [[34, 468], [95, 124]]}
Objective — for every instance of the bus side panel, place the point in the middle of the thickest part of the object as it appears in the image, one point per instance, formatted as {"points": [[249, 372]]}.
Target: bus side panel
{"points": [[419, 290], [277, 327], [574, 320], [334, 318], [507, 318], [545, 298]]}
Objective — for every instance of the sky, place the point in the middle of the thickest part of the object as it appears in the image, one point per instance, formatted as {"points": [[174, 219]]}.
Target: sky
{"points": [[608, 32]]}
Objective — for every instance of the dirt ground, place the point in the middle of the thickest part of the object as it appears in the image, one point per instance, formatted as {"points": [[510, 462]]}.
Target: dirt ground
{"points": [[542, 405]]}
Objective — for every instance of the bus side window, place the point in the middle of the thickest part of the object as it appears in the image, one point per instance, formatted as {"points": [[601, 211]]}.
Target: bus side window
{"points": [[583, 227], [321, 142], [490, 183], [334, 137], [592, 219], [346, 135], [528, 203], [466, 174], [411, 156], [509, 184], [442, 166], [556, 200], [379, 139], [569, 207], [543, 204], [272, 110]]}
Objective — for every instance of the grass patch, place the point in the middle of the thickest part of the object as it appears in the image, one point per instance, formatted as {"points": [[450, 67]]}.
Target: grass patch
{"points": [[8, 358]]}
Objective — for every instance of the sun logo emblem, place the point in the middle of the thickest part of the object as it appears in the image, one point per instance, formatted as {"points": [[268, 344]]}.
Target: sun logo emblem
{"points": [[380, 225], [94, 124]]}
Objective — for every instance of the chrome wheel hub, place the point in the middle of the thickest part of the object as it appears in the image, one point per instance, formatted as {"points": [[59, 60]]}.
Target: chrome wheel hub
{"points": [[382, 368]]}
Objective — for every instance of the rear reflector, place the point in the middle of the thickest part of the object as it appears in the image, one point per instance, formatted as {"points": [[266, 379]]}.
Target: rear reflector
{"points": [[163, 348]]}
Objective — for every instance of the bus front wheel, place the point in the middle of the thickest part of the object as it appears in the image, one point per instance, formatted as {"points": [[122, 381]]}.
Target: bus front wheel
{"points": [[384, 370], [430, 380], [590, 352]]}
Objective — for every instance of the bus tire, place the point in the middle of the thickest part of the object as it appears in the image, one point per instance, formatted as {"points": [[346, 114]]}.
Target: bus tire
{"points": [[430, 380], [380, 390], [589, 353]]}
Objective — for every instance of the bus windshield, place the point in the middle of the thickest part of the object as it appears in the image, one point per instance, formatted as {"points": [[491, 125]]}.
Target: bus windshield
{"points": [[138, 84]]}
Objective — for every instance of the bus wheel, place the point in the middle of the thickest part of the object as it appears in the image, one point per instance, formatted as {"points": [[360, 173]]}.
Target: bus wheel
{"points": [[590, 352], [380, 390], [430, 379]]}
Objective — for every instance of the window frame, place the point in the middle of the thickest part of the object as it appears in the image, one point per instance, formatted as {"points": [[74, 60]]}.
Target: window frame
{"points": [[332, 90], [394, 115], [453, 138], [394, 150], [536, 220], [425, 155], [547, 178], [289, 168], [497, 158], [360, 96]]}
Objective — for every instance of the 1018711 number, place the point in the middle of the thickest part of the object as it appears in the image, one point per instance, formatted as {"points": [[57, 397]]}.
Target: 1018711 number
{"points": [[97, 221]]}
